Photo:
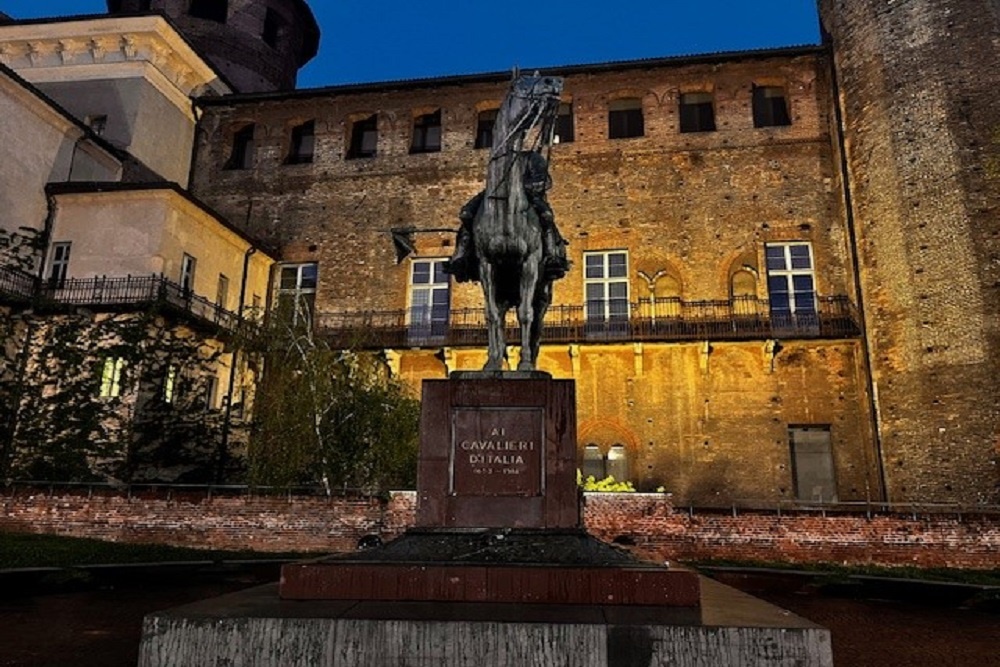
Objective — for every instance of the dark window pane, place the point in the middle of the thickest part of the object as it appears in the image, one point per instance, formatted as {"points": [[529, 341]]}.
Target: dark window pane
{"points": [[364, 138], [618, 290], [617, 265], [595, 292], [625, 124], [777, 284], [309, 272], [595, 310], [242, 154], [800, 257], [565, 130], [697, 112], [289, 277], [776, 258], [272, 28], [427, 133], [484, 128], [421, 273], [770, 109], [780, 302], [618, 309], [303, 143], [439, 275], [802, 283]]}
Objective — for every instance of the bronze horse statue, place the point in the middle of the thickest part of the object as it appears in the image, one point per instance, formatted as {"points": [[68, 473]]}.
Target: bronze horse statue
{"points": [[507, 234]]}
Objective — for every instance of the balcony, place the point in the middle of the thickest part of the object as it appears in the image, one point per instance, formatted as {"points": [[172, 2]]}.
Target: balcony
{"points": [[16, 286], [117, 293], [649, 320]]}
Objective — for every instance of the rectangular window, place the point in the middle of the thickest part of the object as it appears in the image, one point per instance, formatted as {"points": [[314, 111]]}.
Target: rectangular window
{"points": [[111, 377], [169, 392], [625, 119], [242, 154], [770, 108], [222, 292], [271, 32], [297, 292], [484, 128], [364, 138], [565, 130], [605, 285], [791, 287], [812, 463], [430, 301], [697, 112], [211, 389], [212, 10], [188, 264], [60, 264], [426, 133], [303, 144]]}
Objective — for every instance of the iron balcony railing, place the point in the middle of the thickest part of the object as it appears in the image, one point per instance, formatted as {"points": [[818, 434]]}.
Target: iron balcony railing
{"points": [[663, 319], [16, 285], [118, 292]]}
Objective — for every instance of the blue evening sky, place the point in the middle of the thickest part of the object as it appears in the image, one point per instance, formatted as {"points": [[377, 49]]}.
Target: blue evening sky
{"points": [[380, 40]]}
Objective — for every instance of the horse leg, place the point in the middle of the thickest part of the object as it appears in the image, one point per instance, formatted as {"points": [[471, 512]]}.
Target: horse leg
{"points": [[543, 298], [494, 323], [526, 314]]}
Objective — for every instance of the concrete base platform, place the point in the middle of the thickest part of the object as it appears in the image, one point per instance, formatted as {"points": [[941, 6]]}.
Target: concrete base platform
{"points": [[255, 628]]}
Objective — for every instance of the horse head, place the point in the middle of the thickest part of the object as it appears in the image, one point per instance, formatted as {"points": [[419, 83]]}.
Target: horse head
{"points": [[532, 102]]}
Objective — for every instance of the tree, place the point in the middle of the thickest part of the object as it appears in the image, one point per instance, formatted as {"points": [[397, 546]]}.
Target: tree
{"points": [[333, 416]]}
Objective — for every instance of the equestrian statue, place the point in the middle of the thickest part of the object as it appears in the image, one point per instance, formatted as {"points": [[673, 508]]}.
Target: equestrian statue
{"points": [[508, 240]]}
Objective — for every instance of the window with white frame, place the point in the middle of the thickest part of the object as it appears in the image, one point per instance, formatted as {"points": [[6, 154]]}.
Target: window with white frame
{"points": [[111, 377], [60, 263], [430, 299], [297, 291], [188, 264], [791, 283], [606, 285]]}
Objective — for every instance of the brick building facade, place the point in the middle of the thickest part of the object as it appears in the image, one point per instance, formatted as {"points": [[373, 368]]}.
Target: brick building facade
{"points": [[785, 281]]}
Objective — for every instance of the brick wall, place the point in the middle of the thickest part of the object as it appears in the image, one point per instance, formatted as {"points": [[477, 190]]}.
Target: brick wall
{"points": [[647, 520], [921, 117]]}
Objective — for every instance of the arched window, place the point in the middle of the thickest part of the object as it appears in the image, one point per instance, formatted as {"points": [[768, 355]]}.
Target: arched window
{"points": [[603, 462], [617, 463], [593, 462]]}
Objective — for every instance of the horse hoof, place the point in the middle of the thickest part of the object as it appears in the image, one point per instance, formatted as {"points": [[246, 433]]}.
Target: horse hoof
{"points": [[525, 366], [492, 368]]}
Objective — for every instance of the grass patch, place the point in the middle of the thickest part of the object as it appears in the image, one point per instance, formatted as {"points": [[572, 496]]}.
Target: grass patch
{"points": [[21, 550], [947, 575]]}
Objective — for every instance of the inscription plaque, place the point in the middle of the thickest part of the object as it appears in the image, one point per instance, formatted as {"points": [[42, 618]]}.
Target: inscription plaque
{"points": [[497, 452]]}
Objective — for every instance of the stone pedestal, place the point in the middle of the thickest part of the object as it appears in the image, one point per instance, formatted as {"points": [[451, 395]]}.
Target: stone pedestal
{"points": [[497, 572], [498, 450]]}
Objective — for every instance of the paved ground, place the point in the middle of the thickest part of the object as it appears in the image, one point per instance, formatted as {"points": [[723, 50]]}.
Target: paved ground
{"points": [[102, 628]]}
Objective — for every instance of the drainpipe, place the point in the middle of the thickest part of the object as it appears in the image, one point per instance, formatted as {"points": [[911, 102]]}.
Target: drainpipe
{"points": [[856, 271], [223, 453]]}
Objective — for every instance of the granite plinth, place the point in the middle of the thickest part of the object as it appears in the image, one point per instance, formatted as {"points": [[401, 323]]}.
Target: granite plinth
{"points": [[498, 450], [257, 629], [544, 567]]}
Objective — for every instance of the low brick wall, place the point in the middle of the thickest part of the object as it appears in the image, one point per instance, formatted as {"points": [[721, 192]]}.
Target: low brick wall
{"points": [[647, 521]]}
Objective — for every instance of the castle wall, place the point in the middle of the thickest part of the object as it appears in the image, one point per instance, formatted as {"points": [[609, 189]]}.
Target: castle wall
{"points": [[708, 420], [921, 134]]}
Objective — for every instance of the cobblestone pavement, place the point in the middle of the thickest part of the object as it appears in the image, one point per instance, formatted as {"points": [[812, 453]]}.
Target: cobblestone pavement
{"points": [[102, 628]]}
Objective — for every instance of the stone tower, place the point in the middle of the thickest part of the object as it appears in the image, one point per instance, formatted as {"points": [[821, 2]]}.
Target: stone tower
{"points": [[257, 45], [919, 98]]}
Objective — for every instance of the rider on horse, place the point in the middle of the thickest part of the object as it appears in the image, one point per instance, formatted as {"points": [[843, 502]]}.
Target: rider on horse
{"points": [[464, 264]]}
